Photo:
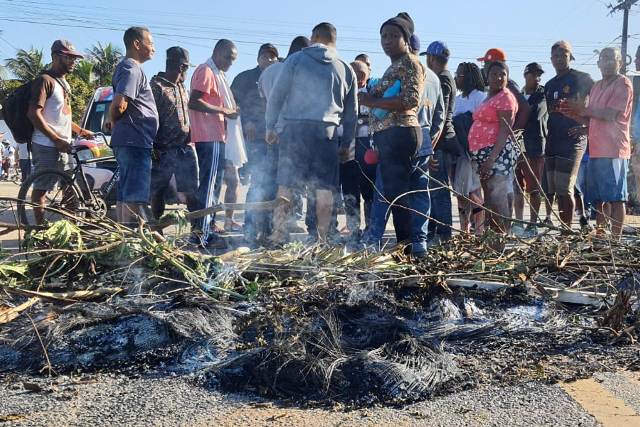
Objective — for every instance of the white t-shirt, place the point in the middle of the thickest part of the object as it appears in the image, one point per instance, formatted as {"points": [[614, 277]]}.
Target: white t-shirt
{"points": [[470, 103], [57, 115]]}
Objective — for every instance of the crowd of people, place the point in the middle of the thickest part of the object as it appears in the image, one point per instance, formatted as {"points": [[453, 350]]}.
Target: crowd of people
{"points": [[314, 126]]}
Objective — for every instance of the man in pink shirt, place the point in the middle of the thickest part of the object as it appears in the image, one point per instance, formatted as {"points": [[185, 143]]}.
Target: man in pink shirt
{"points": [[207, 113], [609, 115]]}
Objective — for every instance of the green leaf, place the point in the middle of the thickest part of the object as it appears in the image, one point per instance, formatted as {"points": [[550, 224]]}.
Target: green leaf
{"points": [[63, 234], [10, 269]]}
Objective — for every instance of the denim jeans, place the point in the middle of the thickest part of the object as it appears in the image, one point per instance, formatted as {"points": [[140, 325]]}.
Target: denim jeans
{"points": [[441, 209], [397, 147], [378, 214], [134, 184], [420, 204], [419, 201]]}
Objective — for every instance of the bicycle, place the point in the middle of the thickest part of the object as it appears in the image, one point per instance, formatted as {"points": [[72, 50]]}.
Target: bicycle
{"points": [[65, 191]]}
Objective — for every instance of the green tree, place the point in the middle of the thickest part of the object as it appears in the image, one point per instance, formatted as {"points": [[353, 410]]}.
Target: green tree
{"points": [[27, 64], [104, 59], [81, 93], [7, 86], [84, 71]]}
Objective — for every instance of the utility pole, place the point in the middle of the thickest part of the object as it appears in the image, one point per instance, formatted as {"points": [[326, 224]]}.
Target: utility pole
{"points": [[625, 6]]}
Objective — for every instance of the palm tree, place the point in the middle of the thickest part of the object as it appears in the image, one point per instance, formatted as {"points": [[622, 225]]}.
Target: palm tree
{"points": [[84, 71], [27, 64], [104, 59]]}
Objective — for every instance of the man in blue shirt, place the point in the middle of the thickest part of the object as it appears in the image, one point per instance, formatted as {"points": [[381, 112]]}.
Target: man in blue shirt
{"points": [[134, 124]]}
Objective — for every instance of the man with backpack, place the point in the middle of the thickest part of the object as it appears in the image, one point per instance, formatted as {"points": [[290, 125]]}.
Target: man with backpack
{"points": [[49, 111]]}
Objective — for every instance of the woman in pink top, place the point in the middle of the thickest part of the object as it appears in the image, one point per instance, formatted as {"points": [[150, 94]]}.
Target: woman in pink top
{"points": [[490, 147]]}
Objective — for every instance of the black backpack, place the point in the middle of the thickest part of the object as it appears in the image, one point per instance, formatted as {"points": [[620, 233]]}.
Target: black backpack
{"points": [[14, 111]]}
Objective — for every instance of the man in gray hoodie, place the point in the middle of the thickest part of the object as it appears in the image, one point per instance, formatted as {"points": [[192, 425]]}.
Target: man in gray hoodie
{"points": [[315, 93]]}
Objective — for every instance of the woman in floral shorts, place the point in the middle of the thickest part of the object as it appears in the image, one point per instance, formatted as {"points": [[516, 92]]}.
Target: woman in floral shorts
{"points": [[494, 154]]}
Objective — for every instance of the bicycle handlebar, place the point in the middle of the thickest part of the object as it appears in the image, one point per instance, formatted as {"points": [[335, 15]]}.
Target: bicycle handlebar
{"points": [[74, 151], [96, 135]]}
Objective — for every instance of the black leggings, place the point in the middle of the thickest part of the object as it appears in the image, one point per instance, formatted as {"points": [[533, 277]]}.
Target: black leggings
{"points": [[397, 147]]}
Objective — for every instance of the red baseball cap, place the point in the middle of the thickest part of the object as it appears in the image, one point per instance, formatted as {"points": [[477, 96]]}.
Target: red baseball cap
{"points": [[494, 54], [65, 47]]}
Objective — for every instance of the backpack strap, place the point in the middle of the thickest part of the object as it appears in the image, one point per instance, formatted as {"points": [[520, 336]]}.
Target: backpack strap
{"points": [[63, 84]]}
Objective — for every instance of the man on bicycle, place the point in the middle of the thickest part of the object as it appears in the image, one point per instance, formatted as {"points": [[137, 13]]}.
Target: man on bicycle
{"points": [[50, 113]]}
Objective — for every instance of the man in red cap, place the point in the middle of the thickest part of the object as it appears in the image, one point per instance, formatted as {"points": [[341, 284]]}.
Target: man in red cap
{"points": [[50, 113], [495, 54]]}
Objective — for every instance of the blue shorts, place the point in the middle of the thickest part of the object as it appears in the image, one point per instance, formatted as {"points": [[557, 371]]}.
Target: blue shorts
{"points": [[135, 173], [607, 180]]}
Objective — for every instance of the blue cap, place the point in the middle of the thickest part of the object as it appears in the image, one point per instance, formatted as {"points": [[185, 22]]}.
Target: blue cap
{"points": [[414, 43], [437, 48]]}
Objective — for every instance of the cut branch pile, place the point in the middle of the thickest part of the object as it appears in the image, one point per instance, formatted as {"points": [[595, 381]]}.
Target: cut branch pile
{"points": [[318, 322]]}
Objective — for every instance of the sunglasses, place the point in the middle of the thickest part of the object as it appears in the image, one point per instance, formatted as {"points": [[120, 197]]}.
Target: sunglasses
{"points": [[69, 57], [182, 66]]}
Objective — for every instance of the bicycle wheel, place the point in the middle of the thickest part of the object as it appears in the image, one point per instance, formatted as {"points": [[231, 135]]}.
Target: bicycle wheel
{"points": [[60, 194]]}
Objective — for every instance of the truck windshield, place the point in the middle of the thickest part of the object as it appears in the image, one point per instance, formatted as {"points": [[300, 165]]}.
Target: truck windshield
{"points": [[98, 116]]}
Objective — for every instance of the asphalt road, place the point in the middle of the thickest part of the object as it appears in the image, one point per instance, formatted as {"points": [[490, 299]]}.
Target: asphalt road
{"points": [[609, 400]]}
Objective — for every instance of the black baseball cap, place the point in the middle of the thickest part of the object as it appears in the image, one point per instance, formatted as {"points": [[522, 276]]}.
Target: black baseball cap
{"points": [[268, 47], [533, 67], [178, 54]]}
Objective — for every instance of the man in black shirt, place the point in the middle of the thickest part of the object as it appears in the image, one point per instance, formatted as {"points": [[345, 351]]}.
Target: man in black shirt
{"points": [[260, 156], [567, 139], [530, 169], [444, 148]]}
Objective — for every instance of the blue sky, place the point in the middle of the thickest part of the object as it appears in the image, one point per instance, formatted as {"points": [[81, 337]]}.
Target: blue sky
{"points": [[525, 29]]}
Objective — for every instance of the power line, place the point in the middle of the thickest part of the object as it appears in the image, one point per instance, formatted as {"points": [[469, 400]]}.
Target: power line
{"points": [[75, 16], [63, 10]]}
